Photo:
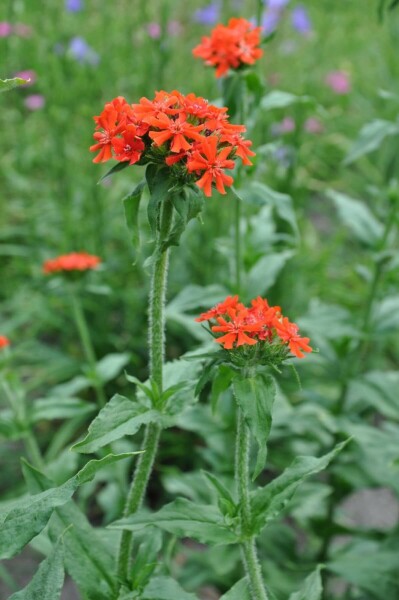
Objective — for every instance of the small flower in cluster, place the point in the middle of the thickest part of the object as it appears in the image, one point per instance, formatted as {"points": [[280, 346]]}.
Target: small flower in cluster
{"points": [[73, 262], [4, 342], [230, 47], [258, 325], [192, 137]]}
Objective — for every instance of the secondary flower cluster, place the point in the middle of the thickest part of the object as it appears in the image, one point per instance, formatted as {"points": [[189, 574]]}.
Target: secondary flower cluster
{"points": [[257, 324], [75, 261], [4, 342], [189, 135], [231, 46]]}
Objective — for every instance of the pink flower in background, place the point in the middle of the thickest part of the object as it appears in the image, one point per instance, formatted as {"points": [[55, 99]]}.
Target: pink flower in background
{"points": [[23, 30], [28, 74], [174, 28], [154, 30], [287, 125], [5, 29], [339, 82], [34, 101], [313, 125]]}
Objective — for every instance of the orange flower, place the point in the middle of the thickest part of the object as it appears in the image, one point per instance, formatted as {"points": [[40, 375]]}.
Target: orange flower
{"points": [[263, 323], [4, 342], [129, 147], [231, 46], [213, 163], [288, 332], [191, 136], [75, 261], [219, 309], [236, 329]]}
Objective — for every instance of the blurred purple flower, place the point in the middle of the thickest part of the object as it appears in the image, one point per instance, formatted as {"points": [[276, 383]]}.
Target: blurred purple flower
{"points": [[287, 125], [154, 30], [34, 101], [276, 4], [339, 82], [174, 28], [284, 156], [73, 5], [83, 52], [28, 74], [5, 29], [270, 20], [208, 15], [313, 125], [23, 30], [300, 20]]}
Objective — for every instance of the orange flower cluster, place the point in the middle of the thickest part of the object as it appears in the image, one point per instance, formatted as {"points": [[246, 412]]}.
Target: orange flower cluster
{"points": [[75, 261], [249, 326], [191, 136], [4, 341], [231, 46]]}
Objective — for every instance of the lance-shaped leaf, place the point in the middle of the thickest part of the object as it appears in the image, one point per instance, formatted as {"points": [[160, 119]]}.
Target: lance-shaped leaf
{"points": [[115, 169], [29, 515], [279, 99], [47, 582], [131, 205], [145, 552], [370, 138], [269, 501], [87, 555], [357, 217], [159, 185], [119, 417], [8, 84], [46, 409], [255, 396], [165, 588], [184, 518], [312, 588], [239, 591]]}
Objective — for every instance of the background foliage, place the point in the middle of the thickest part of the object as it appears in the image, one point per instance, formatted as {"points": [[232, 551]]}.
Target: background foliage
{"points": [[319, 238]]}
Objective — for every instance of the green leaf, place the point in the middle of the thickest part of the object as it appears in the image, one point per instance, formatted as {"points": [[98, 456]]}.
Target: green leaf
{"points": [[356, 215], [111, 365], [87, 555], [131, 206], [312, 588], [255, 396], [278, 99], [188, 205], [159, 184], [233, 90], [120, 166], [119, 417], [269, 501], [369, 566], [220, 383], [145, 554], [370, 138], [165, 588], [263, 275], [183, 519], [239, 591], [47, 582], [8, 84], [226, 502], [262, 195], [27, 516], [46, 409], [385, 315], [379, 389]]}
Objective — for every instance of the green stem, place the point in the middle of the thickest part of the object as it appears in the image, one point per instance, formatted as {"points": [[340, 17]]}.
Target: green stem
{"points": [[156, 350], [248, 544], [259, 12], [84, 334], [237, 240]]}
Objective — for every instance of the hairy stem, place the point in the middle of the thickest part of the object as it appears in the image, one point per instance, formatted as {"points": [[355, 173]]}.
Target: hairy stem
{"points": [[156, 350], [248, 544], [84, 334]]}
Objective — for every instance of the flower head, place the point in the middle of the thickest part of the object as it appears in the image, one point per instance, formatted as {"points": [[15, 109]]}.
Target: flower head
{"points": [[73, 5], [4, 342], [75, 261], [260, 325], [339, 82], [187, 134], [208, 15], [300, 20], [5, 29], [230, 46]]}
